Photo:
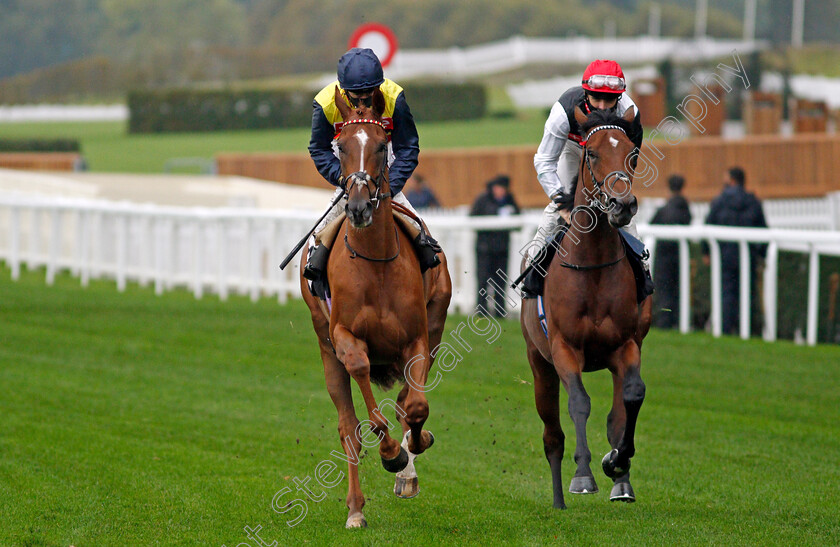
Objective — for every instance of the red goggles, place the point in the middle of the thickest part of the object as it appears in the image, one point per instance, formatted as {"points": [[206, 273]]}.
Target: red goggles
{"points": [[600, 81]]}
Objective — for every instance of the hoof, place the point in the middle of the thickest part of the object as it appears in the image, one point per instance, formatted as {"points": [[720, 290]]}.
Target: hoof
{"points": [[356, 520], [610, 469], [397, 464], [622, 491], [406, 487], [407, 439], [583, 485]]}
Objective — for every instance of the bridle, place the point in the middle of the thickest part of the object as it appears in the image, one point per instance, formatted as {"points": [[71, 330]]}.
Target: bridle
{"points": [[601, 199], [363, 178]]}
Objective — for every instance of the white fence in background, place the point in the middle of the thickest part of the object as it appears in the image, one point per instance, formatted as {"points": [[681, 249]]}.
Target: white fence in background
{"points": [[229, 250], [518, 51]]}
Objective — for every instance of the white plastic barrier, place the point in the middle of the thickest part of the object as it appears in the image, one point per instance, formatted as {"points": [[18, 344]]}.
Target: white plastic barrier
{"points": [[238, 250]]}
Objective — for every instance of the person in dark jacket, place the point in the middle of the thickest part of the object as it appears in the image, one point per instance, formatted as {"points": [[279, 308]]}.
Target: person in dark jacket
{"points": [[359, 75], [736, 207], [666, 268], [419, 194], [492, 246]]}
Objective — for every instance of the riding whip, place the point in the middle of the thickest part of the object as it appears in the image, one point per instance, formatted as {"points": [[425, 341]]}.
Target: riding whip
{"points": [[302, 242]]}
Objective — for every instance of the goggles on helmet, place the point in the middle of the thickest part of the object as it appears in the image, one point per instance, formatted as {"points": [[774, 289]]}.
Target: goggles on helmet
{"points": [[363, 97], [600, 81]]}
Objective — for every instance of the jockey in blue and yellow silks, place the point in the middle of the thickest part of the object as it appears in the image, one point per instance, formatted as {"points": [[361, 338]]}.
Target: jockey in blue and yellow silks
{"points": [[359, 74]]}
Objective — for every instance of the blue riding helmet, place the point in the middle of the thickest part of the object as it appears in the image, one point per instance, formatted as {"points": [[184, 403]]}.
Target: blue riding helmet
{"points": [[358, 69]]}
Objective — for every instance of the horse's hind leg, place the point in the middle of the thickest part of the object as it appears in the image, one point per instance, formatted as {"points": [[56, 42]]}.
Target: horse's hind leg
{"points": [[547, 398], [628, 396], [569, 364], [338, 386]]}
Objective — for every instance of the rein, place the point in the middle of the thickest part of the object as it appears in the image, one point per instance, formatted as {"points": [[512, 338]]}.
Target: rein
{"points": [[355, 254]]}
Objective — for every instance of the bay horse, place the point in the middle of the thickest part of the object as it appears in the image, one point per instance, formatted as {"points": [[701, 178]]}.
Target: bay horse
{"points": [[384, 314], [592, 316]]}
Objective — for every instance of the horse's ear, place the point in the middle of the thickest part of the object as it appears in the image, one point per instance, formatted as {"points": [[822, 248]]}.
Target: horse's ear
{"points": [[342, 106], [378, 103], [630, 115], [580, 117]]}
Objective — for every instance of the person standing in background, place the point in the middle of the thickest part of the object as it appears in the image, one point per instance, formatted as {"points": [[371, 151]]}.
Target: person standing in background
{"points": [[419, 194], [736, 207], [492, 246], [666, 267]]}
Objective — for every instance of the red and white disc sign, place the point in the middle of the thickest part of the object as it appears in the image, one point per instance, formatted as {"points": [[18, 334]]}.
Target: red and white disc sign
{"points": [[379, 38]]}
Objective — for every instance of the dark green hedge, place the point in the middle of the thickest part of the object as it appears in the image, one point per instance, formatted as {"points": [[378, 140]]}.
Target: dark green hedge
{"points": [[197, 110], [39, 145], [203, 110], [433, 102]]}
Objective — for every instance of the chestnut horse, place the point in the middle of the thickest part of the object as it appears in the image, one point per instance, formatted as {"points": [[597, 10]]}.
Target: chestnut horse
{"points": [[592, 315], [385, 314]]}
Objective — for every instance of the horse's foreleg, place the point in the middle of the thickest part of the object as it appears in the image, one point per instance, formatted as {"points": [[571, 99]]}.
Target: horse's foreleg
{"points": [[416, 371], [569, 364], [547, 398], [628, 382], [353, 353], [338, 386]]}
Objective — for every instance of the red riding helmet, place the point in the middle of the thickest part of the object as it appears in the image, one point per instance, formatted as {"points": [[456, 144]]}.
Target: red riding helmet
{"points": [[604, 76]]}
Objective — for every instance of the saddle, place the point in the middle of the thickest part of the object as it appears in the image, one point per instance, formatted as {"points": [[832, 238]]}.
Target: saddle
{"points": [[533, 284], [425, 245]]}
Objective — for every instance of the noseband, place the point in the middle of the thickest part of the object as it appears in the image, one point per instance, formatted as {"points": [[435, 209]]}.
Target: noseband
{"points": [[362, 177], [601, 200]]}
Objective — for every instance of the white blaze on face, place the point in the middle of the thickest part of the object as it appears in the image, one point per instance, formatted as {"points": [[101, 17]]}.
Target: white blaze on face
{"points": [[613, 142], [362, 137]]}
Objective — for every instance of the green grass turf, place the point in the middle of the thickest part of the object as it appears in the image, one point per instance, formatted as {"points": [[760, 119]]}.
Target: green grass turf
{"points": [[131, 419], [107, 146]]}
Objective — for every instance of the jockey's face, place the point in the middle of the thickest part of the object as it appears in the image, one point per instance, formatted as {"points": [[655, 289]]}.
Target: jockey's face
{"points": [[602, 101], [361, 97]]}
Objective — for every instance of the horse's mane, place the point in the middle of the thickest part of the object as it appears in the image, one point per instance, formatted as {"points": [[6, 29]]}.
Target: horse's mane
{"points": [[597, 118], [604, 117]]}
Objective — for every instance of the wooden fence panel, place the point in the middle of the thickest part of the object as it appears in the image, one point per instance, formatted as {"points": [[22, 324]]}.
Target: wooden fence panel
{"points": [[41, 161], [776, 167]]}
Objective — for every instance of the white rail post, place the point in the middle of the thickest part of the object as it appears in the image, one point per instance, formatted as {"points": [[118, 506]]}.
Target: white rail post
{"points": [[771, 282], [198, 256], [84, 246], [745, 288], [715, 267], [281, 231], [14, 243], [813, 295], [160, 252], [34, 237], [121, 249], [222, 243], [685, 287], [76, 267], [55, 238]]}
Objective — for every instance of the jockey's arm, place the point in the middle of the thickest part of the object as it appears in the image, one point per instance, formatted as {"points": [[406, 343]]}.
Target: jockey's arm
{"points": [[636, 132], [320, 146], [555, 135], [405, 143]]}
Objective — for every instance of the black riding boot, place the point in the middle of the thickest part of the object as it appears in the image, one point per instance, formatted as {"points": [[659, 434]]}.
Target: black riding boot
{"points": [[316, 264], [427, 249]]}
